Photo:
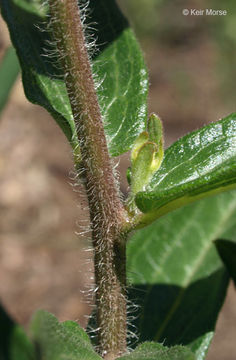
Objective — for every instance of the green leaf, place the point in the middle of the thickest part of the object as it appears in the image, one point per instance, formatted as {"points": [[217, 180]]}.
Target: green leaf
{"points": [[60, 341], [14, 344], [198, 165], [117, 63], [177, 278], [9, 69], [154, 351], [230, 231]]}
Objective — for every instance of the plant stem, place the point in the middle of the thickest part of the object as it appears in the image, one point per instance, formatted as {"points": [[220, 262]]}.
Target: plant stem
{"points": [[107, 214]]}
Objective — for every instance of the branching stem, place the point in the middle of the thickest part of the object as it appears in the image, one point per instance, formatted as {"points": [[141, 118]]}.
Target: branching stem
{"points": [[107, 214]]}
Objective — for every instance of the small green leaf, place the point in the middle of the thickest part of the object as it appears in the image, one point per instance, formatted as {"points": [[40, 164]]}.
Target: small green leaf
{"points": [[154, 351], [179, 282], [60, 341], [198, 165], [117, 64], [14, 344], [9, 69]]}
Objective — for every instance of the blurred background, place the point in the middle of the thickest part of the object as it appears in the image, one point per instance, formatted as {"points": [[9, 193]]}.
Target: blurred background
{"points": [[191, 60]]}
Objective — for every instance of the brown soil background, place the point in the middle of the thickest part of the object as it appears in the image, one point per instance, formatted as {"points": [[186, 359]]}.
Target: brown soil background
{"points": [[42, 262]]}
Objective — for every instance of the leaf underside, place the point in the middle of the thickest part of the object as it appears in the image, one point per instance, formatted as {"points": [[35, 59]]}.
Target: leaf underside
{"points": [[200, 164], [154, 351], [177, 279], [60, 341], [117, 63]]}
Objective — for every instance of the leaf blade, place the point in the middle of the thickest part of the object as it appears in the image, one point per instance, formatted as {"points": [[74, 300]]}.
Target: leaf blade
{"points": [[60, 341], [154, 351], [198, 165], [118, 64], [177, 276]]}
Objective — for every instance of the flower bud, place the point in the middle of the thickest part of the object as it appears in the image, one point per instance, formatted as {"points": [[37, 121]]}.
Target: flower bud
{"points": [[142, 166], [141, 139], [146, 155]]}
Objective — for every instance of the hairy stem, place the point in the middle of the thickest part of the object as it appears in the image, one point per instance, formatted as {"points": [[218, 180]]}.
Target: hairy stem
{"points": [[106, 211]]}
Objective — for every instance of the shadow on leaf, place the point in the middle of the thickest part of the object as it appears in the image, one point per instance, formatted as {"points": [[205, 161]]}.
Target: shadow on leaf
{"points": [[227, 252], [175, 315]]}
